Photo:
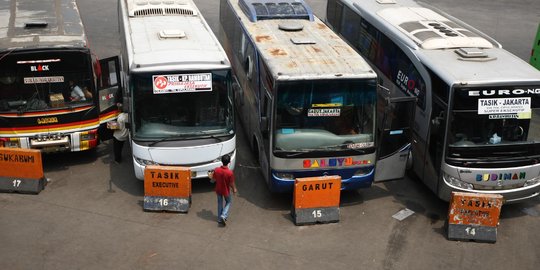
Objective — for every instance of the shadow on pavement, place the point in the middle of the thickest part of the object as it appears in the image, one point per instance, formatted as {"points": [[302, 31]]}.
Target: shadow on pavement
{"points": [[55, 162], [122, 175]]}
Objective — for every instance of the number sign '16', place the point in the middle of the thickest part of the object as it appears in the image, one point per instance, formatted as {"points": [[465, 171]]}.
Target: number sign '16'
{"points": [[167, 188]]}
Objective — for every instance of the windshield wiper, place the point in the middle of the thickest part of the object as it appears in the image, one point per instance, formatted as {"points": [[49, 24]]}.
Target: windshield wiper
{"points": [[343, 147], [510, 153], [359, 151], [292, 153], [172, 138], [480, 160], [213, 137], [179, 138]]}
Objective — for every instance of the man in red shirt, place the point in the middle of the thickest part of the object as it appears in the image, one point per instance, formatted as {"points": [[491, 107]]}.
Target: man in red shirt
{"points": [[224, 178]]}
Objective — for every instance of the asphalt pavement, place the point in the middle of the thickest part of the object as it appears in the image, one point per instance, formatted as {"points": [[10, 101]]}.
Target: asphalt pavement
{"points": [[90, 214]]}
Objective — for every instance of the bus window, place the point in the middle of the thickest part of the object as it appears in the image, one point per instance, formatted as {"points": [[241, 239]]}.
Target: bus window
{"points": [[26, 85], [181, 114], [472, 124], [334, 115], [350, 28]]}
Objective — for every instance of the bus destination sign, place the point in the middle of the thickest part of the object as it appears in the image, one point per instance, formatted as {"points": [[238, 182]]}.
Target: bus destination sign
{"points": [[182, 83], [518, 107]]}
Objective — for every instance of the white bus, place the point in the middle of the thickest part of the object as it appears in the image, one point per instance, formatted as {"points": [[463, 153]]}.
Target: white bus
{"points": [[477, 119], [306, 98], [177, 87]]}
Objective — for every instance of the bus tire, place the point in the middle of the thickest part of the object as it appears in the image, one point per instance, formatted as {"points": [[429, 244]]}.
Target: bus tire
{"points": [[409, 164]]}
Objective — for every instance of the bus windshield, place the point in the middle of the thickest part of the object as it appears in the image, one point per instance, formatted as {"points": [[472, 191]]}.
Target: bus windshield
{"points": [[505, 120], [45, 80], [325, 115], [181, 104]]}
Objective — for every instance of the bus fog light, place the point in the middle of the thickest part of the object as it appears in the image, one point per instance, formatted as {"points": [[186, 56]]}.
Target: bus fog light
{"points": [[532, 182], [456, 182], [285, 176], [145, 162]]}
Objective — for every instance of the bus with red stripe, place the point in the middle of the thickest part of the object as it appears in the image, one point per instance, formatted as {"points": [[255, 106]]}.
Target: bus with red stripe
{"points": [[55, 95]]}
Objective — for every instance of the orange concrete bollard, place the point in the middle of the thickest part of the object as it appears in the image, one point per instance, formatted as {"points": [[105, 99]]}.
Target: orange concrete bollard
{"points": [[21, 170], [473, 216], [167, 188], [316, 200]]}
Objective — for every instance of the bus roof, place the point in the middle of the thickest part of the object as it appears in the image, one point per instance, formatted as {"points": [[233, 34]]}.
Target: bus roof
{"points": [[29, 24], [172, 34], [457, 52], [296, 49]]}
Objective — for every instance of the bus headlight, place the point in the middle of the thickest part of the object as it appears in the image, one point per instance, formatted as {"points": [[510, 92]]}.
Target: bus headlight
{"points": [[456, 182], [284, 176], [89, 135], [145, 162], [532, 182], [219, 158], [363, 171], [12, 143]]}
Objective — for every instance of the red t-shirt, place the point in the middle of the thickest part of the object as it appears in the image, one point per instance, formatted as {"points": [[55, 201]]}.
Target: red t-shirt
{"points": [[224, 179]]}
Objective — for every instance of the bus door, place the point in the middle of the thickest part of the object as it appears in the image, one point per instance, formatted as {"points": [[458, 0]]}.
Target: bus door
{"points": [[394, 138], [266, 129], [109, 93]]}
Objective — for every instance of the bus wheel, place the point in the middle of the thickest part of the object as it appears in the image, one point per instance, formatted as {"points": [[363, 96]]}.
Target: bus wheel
{"points": [[409, 167], [409, 164]]}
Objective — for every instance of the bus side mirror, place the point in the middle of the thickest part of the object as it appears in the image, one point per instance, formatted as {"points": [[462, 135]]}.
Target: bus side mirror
{"points": [[264, 127], [238, 93], [436, 124], [126, 101], [128, 123]]}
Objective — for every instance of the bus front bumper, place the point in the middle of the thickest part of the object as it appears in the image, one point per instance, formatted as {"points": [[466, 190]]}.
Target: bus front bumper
{"points": [[514, 195], [349, 181], [197, 172]]}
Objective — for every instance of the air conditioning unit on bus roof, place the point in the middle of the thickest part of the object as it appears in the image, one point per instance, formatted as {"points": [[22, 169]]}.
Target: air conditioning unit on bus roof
{"points": [[142, 8], [35, 24], [276, 9], [171, 34], [431, 30]]}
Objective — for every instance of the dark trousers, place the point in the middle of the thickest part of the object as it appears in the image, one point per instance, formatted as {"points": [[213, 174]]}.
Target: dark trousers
{"points": [[117, 148]]}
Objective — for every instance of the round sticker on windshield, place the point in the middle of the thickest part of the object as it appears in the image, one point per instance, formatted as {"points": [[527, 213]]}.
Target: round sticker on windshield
{"points": [[160, 82]]}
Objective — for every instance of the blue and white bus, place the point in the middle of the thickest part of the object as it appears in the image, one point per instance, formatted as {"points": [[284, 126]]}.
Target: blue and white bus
{"points": [[306, 99]]}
